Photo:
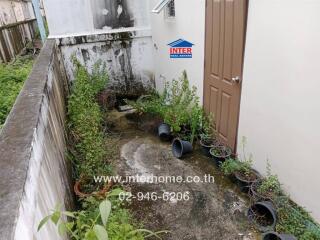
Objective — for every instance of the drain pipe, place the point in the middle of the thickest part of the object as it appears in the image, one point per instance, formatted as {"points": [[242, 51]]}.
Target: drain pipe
{"points": [[37, 12]]}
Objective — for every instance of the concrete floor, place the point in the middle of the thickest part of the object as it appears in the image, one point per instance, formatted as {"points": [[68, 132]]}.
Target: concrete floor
{"points": [[214, 211]]}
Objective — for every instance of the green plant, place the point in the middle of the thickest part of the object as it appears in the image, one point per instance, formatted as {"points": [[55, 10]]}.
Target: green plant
{"points": [[208, 130], [85, 119], [98, 221], [178, 105], [230, 166], [269, 185], [12, 77], [245, 166], [296, 220]]}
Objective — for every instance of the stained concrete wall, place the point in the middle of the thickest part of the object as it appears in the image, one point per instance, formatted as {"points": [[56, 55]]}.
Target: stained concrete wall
{"points": [[280, 108], [127, 55], [34, 174], [86, 17]]}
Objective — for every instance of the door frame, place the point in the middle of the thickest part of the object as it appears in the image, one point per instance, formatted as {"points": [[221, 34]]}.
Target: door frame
{"points": [[247, 2]]}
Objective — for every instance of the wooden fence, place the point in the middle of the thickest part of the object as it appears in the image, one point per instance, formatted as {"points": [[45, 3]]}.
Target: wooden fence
{"points": [[14, 37]]}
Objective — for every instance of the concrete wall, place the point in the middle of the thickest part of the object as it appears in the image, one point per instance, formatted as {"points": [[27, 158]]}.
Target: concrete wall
{"points": [[34, 174], [127, 55], [86, 17], [114, 32], [188, 24], [280, 108]]}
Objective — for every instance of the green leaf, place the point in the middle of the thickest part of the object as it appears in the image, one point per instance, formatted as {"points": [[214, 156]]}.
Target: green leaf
{"points": [[100, 232], [115, 192], [90, 235], [69, 214], [43, 222], [55, 217], [62, 229], [105, 209]]}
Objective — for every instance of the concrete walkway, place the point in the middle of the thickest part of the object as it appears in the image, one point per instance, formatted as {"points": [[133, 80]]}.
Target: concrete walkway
{"points": [[214, 210]]}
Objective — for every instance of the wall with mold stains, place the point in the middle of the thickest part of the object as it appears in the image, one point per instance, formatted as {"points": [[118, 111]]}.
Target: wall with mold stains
{"points": [[86, 17], [127, 55], [34, 173]]}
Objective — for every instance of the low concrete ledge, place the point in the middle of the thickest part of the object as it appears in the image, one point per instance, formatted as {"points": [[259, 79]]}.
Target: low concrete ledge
{"points": [[32, 147]]}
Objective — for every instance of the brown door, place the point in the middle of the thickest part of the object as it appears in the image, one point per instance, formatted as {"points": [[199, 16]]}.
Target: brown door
{"points": [[225, 33]]}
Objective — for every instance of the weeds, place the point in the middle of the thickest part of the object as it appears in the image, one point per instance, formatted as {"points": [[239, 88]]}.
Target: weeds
{"points": [[12, 77]]}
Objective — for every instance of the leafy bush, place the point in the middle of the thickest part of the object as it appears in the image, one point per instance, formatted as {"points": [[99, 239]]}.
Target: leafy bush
{"points": [[178, 105], [85, 119], [230, 166], [12, 77]]}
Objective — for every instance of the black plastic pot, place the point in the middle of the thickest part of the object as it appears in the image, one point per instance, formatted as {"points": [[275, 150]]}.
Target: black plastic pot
{"points": [[245, 184], [207, 144], [223, 153], [255, 195], [181, 147], [277, 236], [164, 132], [263, 215]]}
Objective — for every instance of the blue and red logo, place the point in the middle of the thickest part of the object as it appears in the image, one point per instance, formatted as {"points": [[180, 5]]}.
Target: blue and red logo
{"points": [[181, 49]]}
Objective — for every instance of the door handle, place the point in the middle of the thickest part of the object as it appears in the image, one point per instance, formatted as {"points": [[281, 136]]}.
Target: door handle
{"points": [[235, 79]]}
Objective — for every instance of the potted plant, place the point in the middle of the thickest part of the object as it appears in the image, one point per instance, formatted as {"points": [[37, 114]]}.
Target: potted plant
{"points": [[263, 215], [220, 153], [86, 187], [207, 142], [245, 175], [266, 189], [277, 236]]}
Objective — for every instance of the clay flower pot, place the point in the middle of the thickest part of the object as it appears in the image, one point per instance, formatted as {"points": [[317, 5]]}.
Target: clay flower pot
{"points": [[78, 188]]}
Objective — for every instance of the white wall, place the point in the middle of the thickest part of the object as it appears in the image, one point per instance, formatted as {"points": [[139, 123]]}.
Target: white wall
{"points": [[189, 24], [280, 107], [68, 16], [78, 17]]}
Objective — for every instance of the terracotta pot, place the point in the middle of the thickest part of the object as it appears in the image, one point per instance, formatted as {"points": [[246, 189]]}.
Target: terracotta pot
{"points": [[80, 194]]}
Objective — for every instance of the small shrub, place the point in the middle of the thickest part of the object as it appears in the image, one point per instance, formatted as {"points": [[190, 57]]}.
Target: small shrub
{"points": [[230, 166], [178, 105], [270, 184]]}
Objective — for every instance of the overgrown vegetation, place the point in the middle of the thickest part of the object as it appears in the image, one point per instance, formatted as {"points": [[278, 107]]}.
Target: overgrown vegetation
{"points": [[99, 220], [98, 217], [85, 122], [292, 219], [178, 105], [12, 77]]}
